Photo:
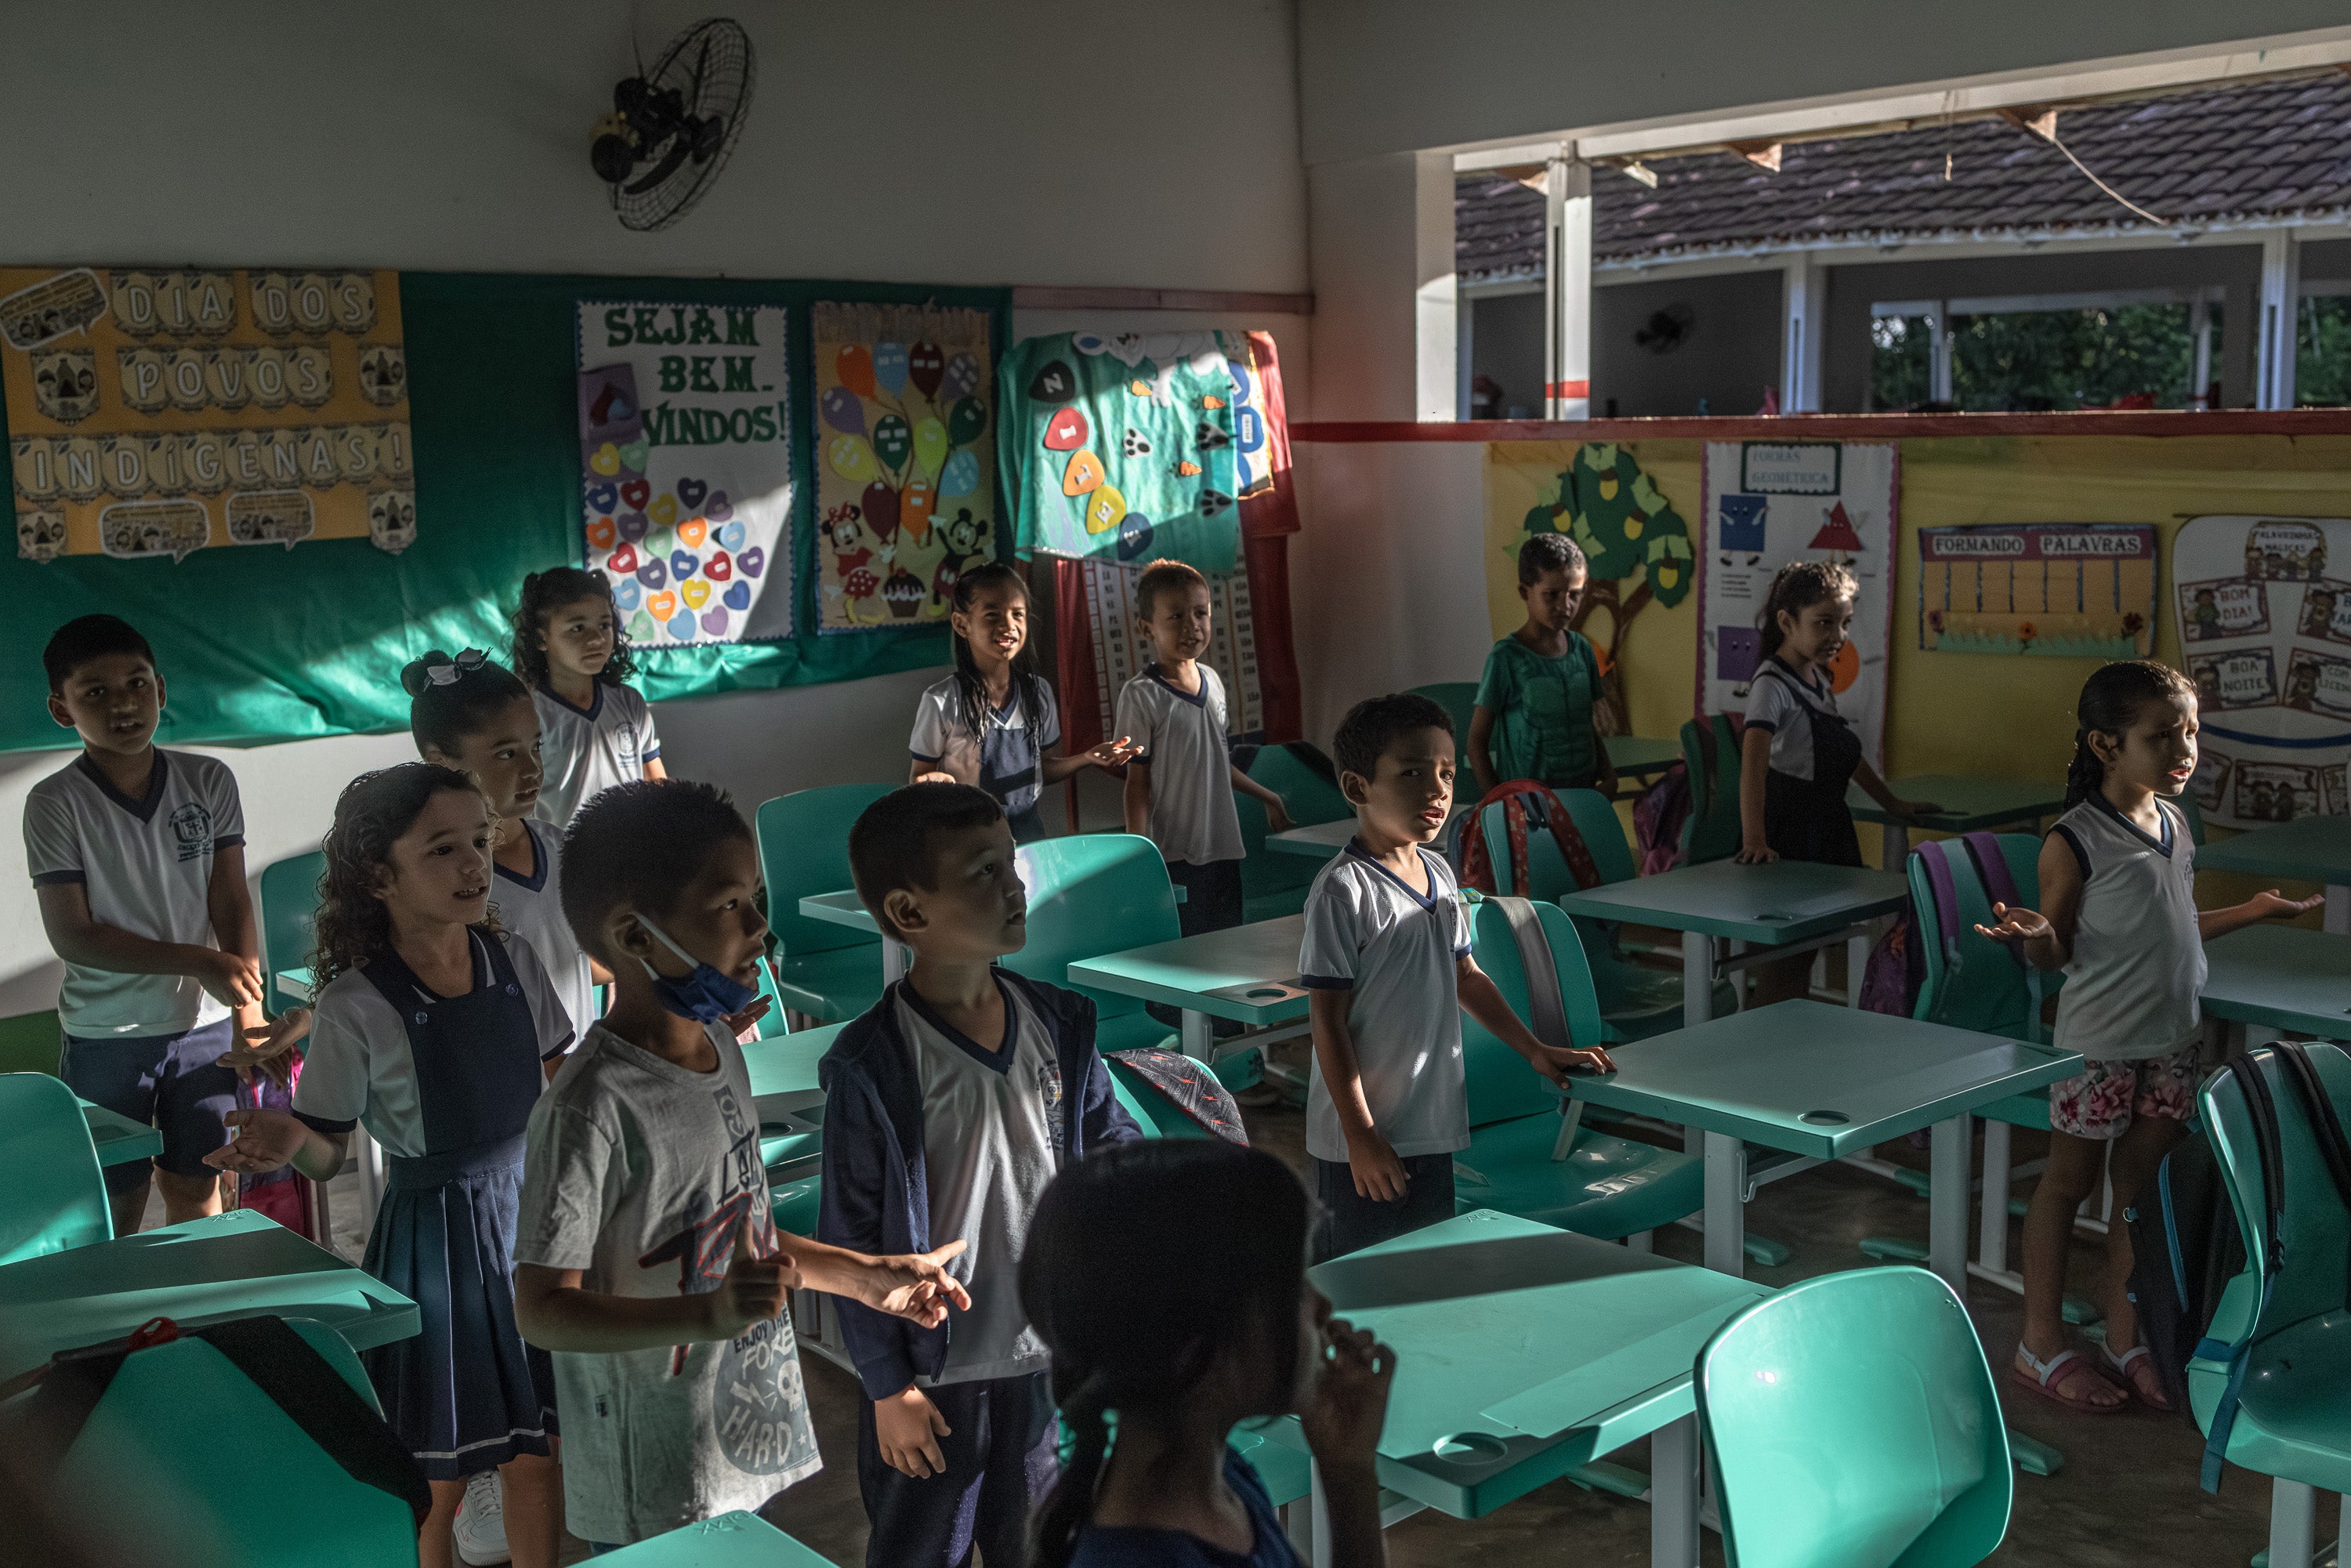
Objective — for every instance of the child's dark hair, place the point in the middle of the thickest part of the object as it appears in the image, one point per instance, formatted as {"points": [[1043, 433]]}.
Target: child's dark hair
{"points": [[544, 592], [1094, 1274], [971, 686], [1548, 552], [372, 812], [450, 699], [1163, 576], [639, 843], [1372, 726], [1795, 587], [893, 842], [2112, 701], [88, 637]]}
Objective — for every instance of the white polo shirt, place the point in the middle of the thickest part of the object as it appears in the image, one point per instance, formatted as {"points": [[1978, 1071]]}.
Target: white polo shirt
{"points": [[1184, 740], [586, 751], [532, 908], [1394, 949], [147, 865]]}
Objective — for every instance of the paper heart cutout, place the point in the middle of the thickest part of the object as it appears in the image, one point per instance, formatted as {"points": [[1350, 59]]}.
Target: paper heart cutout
{"points": [[602, 534], [681, 564], [665, 509], [634, 526], [693, 531], [696, 593], [683, 627], [714, 621], [605, 459], [652, 574], [636, 493], [601, 496], [664, 541], [719, 568], [691, 492], [627, 594], [624, 560], [738, 597], [641, 627], [1066, 431], [632, 456], [752, 562], [661, 606], [732, 536], [720, 508]]}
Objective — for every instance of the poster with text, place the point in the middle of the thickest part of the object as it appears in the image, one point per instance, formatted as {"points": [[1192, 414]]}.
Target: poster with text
{"points": [[905, 472], [2264, 616], [154, 413], [2073, 591], [1766, 503], [685, 464]]}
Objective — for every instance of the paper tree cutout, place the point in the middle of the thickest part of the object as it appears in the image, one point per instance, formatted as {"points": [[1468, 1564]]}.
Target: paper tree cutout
{"points": [[1616, 512], [1837, 534]]}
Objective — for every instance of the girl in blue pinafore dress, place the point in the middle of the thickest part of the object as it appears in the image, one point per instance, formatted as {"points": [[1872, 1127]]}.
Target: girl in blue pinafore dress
{"points": [[436, 1031]]}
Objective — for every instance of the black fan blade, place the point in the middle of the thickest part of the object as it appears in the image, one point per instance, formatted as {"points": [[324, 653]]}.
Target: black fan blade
{"points": [[678, 148]]}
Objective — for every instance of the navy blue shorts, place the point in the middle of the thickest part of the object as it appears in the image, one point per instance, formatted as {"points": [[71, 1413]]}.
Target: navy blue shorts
{"points": [[165, 1081]]}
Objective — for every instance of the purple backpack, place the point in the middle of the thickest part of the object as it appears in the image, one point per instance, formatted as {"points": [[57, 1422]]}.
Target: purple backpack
{"points": [[1898, 968]]}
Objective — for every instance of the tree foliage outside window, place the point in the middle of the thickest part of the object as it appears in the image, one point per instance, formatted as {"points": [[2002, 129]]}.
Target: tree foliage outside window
{"points": [[2028, 360], [2322, 359]]}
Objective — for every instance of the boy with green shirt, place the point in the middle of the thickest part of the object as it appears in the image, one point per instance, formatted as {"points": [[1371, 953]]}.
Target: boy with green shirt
{"points": [[1535, 717]]}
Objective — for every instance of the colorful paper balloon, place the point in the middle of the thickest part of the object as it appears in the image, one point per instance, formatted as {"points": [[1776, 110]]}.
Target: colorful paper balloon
{"points": [[892, 440], [890, 367], [853, 368], [1104, 507], [843, 409], [930, 445], [851, 458], [880, 504], [962, 378], [965, 421], [925, 367], [961, 475], [1066, 431], [1083, 473], [1055, 384], [915, 509]]}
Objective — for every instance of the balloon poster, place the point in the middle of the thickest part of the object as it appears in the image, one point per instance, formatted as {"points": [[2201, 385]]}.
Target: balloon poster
{"points": [[156, 413], [905, 470], [2073, 591], [686, 468], [1763, 504], [2264, 609], [1132, 447]]}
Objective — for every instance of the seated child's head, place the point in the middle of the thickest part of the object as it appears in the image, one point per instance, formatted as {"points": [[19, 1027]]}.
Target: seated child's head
{"points": [[1235, 1329], [409, 853], [934, 864], [476, 718], [1551, 575], [663, 875], [567, 621], [2134, 724], [1395, 765], [1171, 603], [103, 683]]}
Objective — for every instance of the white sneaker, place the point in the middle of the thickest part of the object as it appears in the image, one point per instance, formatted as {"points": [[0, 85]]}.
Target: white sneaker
{"points": [[481, 1522]]}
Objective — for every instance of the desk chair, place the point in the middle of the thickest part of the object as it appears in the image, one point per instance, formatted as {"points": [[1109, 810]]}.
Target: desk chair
{"points": [[1851, 1422], [55, 1197], [290, 900], [828, 973], [1711, 750], [1272, 883], [1458, 699], [1090, 895]]}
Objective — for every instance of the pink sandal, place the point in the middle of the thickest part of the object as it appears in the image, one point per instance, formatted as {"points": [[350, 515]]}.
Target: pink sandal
{"points": [[2043, 1377], [2147, 1389]]}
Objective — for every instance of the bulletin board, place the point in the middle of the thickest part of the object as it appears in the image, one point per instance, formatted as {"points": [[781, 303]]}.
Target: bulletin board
{"points": [[2065, 590], [264, 645]]}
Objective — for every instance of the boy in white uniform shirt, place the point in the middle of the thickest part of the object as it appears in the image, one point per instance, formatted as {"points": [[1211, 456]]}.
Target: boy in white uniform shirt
{"points": [[1387, 961]]}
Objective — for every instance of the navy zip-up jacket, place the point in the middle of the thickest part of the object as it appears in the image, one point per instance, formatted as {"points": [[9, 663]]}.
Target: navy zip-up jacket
{"points": [[876, 1197]]}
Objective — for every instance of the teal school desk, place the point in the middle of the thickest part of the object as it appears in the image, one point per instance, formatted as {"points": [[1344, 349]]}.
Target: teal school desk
{"points": [[117, 1139], [2308, 849], [2280, 977], [1245, 973], [1969, 805]]}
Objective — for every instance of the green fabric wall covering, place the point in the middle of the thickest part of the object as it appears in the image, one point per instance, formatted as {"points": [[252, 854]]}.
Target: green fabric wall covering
{"points": [[259, 644]]}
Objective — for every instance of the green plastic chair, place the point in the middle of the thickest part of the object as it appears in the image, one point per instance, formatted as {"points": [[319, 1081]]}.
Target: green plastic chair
{"points": [[1151, 1110], [729, 1541], [1092, 894], [1711, 831], [1605, 1186], [2294, 1423], [289, 898], [1458, 699], [1272, 883], [829, 972], [55, 1197], [284, 1504], [1851, 1422], [795, 1204]]}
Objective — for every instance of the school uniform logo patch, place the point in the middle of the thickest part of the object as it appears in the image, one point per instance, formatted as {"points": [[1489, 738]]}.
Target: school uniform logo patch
{"points": [[192, 828]]}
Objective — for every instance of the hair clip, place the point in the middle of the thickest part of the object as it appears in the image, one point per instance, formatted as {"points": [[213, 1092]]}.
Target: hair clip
{"points": [[466, 664]]}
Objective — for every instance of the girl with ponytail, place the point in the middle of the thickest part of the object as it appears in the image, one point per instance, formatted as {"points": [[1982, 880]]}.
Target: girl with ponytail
{"points": [[595, 729], [1182, 1355], [2118, 915]]}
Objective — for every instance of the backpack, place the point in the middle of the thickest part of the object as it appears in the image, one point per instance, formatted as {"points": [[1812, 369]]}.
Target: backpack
{"points": [[1525, 804], [1657, 818], [285, 1195], [1896, 970], [2186, 1249]]}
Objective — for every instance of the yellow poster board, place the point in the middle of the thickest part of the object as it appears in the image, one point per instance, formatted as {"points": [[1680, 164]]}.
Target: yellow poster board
{"points": [[157, 413]]}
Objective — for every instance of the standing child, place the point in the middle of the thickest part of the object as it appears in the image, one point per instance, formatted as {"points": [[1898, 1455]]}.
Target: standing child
{"points": [[1182, 1355], [1799, 756], [1538, 700], [595, 731], [948, 1107], [646, 1257], [436, 1031], [993, 722], [1180, 782], [1387, 963], [138, 861], [2118, 915]]}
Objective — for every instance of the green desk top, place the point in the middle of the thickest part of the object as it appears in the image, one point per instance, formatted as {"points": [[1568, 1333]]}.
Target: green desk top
{"points": [[1785, 902], [1818, 1080], [1324, 840], [1248, 973], [117, 1139], [1637, 756], [231, 1265], [296, 983], [786, 1064], [840, 909], [2308, 849], [729, 1540], [2282, 975], [1522, 1351], [1970, 805]]}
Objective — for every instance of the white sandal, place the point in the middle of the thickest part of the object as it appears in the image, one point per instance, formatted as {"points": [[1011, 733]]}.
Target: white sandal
{"points": [[2122, 1365], [2042, 1377]]}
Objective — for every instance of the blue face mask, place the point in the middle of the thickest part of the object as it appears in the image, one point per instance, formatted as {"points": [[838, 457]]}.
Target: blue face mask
{"points": [[706, 996]]}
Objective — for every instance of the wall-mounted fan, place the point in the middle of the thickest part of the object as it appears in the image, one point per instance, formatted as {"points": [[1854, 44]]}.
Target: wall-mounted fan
{"points": [[672, 128], [1667, 329]]}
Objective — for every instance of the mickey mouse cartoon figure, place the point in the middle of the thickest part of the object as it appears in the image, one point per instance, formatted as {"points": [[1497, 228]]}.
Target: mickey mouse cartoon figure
{"points": [[962, 544]]}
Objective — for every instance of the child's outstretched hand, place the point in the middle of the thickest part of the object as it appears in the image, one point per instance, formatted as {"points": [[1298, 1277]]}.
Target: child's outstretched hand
{"points": [[1113, 753], [269, 1047], [1277, 816], [2273, 906], [1342, 1417], [266, 1141], [2016, 924], [916, 1285], [1914, 810], [1756, 855]]}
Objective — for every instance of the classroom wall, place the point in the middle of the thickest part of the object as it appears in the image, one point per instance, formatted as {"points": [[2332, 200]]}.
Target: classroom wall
{"points": [[1727, 361]]}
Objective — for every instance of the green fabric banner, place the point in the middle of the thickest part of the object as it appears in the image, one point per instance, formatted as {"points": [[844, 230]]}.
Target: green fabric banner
{"points": [[258, 644]]}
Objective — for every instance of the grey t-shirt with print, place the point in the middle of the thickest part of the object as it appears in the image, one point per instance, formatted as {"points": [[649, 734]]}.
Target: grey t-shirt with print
{"points": [[639, 1174]]}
